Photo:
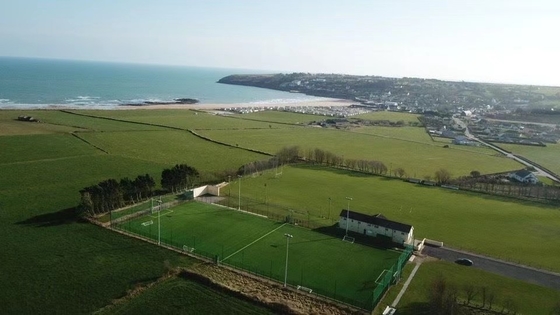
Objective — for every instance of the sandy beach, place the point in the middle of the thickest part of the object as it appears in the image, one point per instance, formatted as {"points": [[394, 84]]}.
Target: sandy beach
{"points": [[210, 106]]}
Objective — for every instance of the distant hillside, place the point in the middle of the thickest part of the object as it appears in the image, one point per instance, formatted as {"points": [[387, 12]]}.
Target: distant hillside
{"points": [[411, 92]]}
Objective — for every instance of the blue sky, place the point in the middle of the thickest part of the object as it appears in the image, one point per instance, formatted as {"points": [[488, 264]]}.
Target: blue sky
{"points": [[492, 41]]}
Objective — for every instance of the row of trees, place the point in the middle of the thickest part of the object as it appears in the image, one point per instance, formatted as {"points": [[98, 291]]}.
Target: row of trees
{"points": [[179, 177], [112, 194]]}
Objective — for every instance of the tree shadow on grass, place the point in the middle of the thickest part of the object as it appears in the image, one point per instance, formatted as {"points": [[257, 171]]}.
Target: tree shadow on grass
{"points": [[416, 308], [64, 216]]}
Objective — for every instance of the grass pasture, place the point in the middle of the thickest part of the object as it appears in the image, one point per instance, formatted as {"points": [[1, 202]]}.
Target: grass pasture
{"points": [[390, 116], [548, 156], [172, 147], [319, 261], [528, 298], [185, 119], [183, 296], [417, 159]]}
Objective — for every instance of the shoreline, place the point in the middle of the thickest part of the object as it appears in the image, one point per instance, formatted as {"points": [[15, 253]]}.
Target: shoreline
{"points": [[327, 102]]}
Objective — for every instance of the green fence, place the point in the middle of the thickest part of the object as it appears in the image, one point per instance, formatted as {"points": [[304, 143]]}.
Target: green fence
{"points": [[279, 214], [391, 277]]}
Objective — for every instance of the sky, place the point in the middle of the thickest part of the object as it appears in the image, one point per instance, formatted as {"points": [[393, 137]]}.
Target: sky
{"points": [[502, 41]]}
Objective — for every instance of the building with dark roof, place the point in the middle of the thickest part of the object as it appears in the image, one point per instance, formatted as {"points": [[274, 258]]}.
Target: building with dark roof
{"points": [[376, 225], [524, 176]]}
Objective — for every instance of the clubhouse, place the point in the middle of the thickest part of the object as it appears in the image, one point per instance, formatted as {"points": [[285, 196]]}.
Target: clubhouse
{"points": [[377, 225]]}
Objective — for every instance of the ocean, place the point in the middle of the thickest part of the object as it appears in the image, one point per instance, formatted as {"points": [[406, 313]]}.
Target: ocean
{"points": [[43, 83]]}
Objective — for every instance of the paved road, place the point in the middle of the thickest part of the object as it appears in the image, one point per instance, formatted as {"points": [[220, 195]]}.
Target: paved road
{"points": [[531, 275], [509, 155]]}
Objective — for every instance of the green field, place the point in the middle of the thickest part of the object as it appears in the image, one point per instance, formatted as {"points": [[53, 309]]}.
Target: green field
{"points": [[528, 298], [391, 116], [48, 256], [474, 222], [183, 296], [319, 261], [417, 159], [548, 156]]}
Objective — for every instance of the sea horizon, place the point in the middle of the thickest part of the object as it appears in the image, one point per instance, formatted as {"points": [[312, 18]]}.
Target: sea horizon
{"points": [[35, 83]]}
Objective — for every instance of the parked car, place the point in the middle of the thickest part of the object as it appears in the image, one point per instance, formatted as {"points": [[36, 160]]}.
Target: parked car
{"points": [[464, 262]]}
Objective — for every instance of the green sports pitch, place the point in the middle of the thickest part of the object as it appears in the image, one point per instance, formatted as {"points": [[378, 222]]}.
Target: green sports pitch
{"points": [[322, 262]]}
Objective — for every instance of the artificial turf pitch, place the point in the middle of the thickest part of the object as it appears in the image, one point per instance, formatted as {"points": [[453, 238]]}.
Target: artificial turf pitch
{"points": [[341, 270]]}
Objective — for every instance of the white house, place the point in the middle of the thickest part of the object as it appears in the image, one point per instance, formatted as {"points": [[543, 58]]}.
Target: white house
{"points": [[376, 225], [524, 176]]}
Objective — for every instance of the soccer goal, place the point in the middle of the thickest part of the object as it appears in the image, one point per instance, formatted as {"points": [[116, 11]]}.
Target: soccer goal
{"points": [[302, 288], [348, 239], [188, 249], [147, 223]]}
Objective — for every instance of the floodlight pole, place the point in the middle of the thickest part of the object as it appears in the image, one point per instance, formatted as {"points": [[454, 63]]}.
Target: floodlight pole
{"points": [[158, 220], [348, 214], [239, 204], [288, 236]]}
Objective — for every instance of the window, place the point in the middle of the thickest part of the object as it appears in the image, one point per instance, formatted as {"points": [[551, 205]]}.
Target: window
{"points": [[352, 221], [402, 233], [369, 224], [376, 226]]}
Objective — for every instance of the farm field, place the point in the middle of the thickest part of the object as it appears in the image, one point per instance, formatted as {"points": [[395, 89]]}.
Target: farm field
{"points": [[548, 156], [184, 119], [318, 261], [48, 253], [391, 116], [50, 256], [528, 298], [473, 222], [417, 159], [183, 296], [172, 147]]}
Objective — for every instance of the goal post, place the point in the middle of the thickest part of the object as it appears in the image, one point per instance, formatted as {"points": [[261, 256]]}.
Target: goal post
{"points": [[348, 239]]}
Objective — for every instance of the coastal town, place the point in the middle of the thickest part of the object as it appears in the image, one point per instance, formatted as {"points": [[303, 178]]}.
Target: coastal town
{"points": [[495, 113]]}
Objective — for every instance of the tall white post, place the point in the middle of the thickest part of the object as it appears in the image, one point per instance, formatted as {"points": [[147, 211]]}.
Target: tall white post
{"points": [[288, 236]]}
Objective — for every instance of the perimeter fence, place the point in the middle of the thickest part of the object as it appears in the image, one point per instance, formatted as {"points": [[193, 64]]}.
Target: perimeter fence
{"points": [[274, 270]]}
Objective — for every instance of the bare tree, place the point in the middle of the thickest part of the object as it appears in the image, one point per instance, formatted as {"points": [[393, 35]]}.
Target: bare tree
{"points": [[442, 176], [470, 292], [400, 172]]}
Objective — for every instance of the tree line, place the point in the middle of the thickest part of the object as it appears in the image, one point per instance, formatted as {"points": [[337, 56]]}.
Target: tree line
{"points": [[113, 194]]}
